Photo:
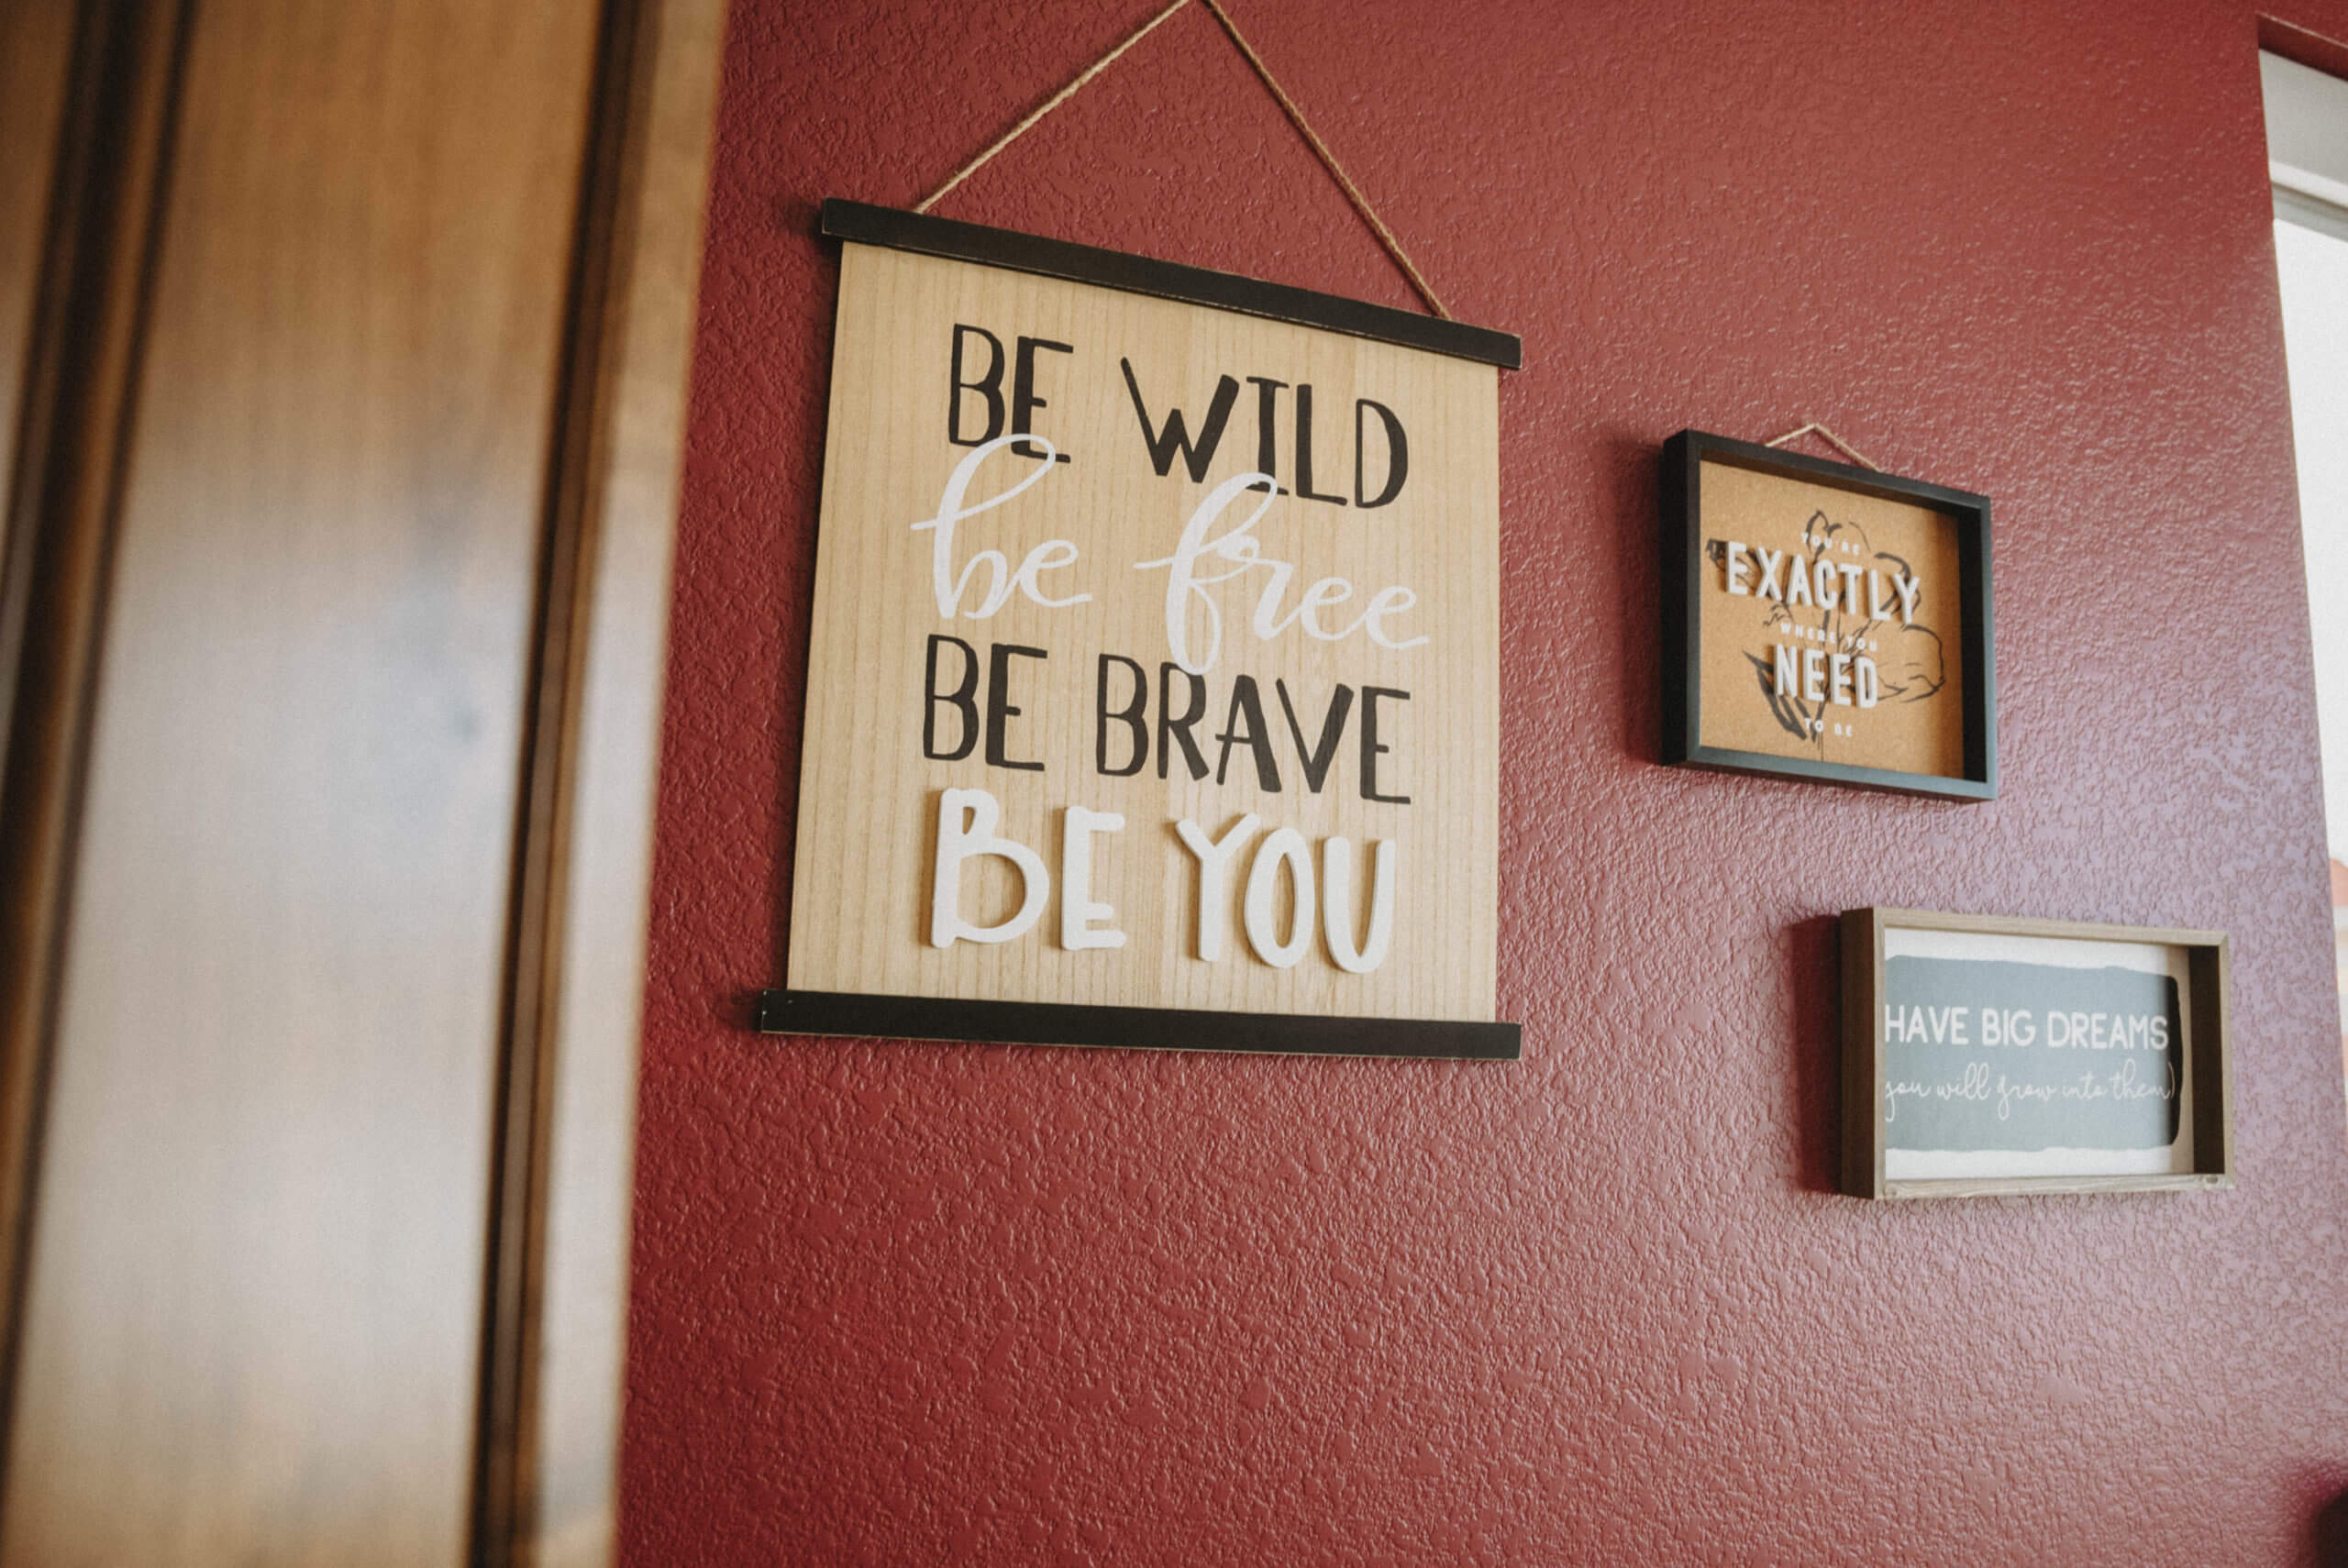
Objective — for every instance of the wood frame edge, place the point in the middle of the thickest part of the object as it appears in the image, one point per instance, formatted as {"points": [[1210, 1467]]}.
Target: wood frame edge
{"points": [[547, 1428], [2208, 952], [2213, 1080], [1861, 951], [2053, 1186], [110, 183], [1682, 692]]}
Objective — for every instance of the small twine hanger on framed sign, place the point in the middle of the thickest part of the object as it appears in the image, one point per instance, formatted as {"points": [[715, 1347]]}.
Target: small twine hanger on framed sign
{"points": [[1361, 204], [1812, 427]]}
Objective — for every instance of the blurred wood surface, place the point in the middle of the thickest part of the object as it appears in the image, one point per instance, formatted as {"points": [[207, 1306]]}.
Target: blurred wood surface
{"points": [[35, 44], [343, 549], [75, 383], [552, 1385], [598, 947]]}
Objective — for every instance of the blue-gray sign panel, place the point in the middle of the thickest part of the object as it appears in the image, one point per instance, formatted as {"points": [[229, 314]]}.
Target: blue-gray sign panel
{"points": [[1982, 1054]]}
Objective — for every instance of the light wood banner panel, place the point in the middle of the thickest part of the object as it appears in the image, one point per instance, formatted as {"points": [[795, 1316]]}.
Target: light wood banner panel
{"points": [[254, 1310], [1059, 609]]}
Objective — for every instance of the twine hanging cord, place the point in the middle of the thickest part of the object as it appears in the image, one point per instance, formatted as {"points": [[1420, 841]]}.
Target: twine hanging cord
{"points": [[1280, 95], [1813, 427], [1048, 106]]}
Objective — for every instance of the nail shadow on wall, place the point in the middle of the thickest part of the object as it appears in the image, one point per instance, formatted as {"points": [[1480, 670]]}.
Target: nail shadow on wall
{"points": [[1813, 953]]}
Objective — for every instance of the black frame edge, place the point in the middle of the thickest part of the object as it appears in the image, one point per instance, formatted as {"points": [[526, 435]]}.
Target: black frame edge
{"points": [[866, 224], [966, 1020], [1681, 504], [1683, 690], [1886, 780]]}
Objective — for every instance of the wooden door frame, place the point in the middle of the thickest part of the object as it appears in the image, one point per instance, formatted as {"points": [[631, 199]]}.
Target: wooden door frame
{"points": [[553, 1315], [82, 342], [554, 1327]]}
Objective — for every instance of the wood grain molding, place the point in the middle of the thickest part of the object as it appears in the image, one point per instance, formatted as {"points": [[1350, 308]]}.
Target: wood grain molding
{"points": [[36, 58], [554, 1328], [2209, 1065], [76, 407], [452, 383]]}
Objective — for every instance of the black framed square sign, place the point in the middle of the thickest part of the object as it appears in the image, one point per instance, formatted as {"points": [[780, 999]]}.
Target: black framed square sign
{"points": [[1827, 622]]}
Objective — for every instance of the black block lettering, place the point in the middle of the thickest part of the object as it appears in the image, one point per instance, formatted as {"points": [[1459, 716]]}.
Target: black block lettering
{"points": [[1370, 748], [1170, 727], [1248, 704], [1133, 716], [1317, 758], [958, 699], [1398, 454], [1000, 712], [1305, 490], [1023, 400], [1175, 438], [1267, 402], [989, 386]]}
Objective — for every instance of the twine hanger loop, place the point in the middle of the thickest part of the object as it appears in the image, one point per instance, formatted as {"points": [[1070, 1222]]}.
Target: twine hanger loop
{"points": [[1288, 107], [1813, 427]]}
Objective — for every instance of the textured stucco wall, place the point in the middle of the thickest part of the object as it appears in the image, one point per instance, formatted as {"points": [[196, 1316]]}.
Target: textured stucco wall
{"points": [[900, 1304]]}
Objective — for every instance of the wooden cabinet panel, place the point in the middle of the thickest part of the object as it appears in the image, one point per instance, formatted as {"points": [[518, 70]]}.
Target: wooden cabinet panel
{"points": [[254, 1306], [35, 40]]}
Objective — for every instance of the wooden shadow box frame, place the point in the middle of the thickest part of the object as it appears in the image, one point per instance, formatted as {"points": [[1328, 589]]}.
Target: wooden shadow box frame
{"points": [[2208, 1064], [1684, 457]]}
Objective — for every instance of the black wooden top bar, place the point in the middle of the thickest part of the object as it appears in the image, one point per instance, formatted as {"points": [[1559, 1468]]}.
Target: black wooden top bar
{"points": [[869, 224]]}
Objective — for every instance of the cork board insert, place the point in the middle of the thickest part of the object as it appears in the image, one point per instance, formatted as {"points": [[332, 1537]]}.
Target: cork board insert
{"points": [[1830, 625]]}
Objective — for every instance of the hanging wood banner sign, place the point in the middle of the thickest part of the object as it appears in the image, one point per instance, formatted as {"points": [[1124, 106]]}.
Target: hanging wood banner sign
{"points": [[1153, 689]]}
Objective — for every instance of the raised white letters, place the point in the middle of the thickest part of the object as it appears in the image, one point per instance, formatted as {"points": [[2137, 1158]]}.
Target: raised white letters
{"points": [[1337, 904], [966, 822], [1213, 855], [1283, 846], [1328, 908], [1079, 909]]}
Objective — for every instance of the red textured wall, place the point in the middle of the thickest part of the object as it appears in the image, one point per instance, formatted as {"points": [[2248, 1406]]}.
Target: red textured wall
{"points": [[904, 1303]]}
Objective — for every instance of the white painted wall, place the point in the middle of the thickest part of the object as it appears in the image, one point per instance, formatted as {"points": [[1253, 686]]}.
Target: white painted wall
{"points": [[2314, 269]]}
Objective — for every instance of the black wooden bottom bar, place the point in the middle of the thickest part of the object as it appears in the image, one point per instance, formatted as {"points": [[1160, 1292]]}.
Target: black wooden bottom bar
{"points": [[1141, 1028]]}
